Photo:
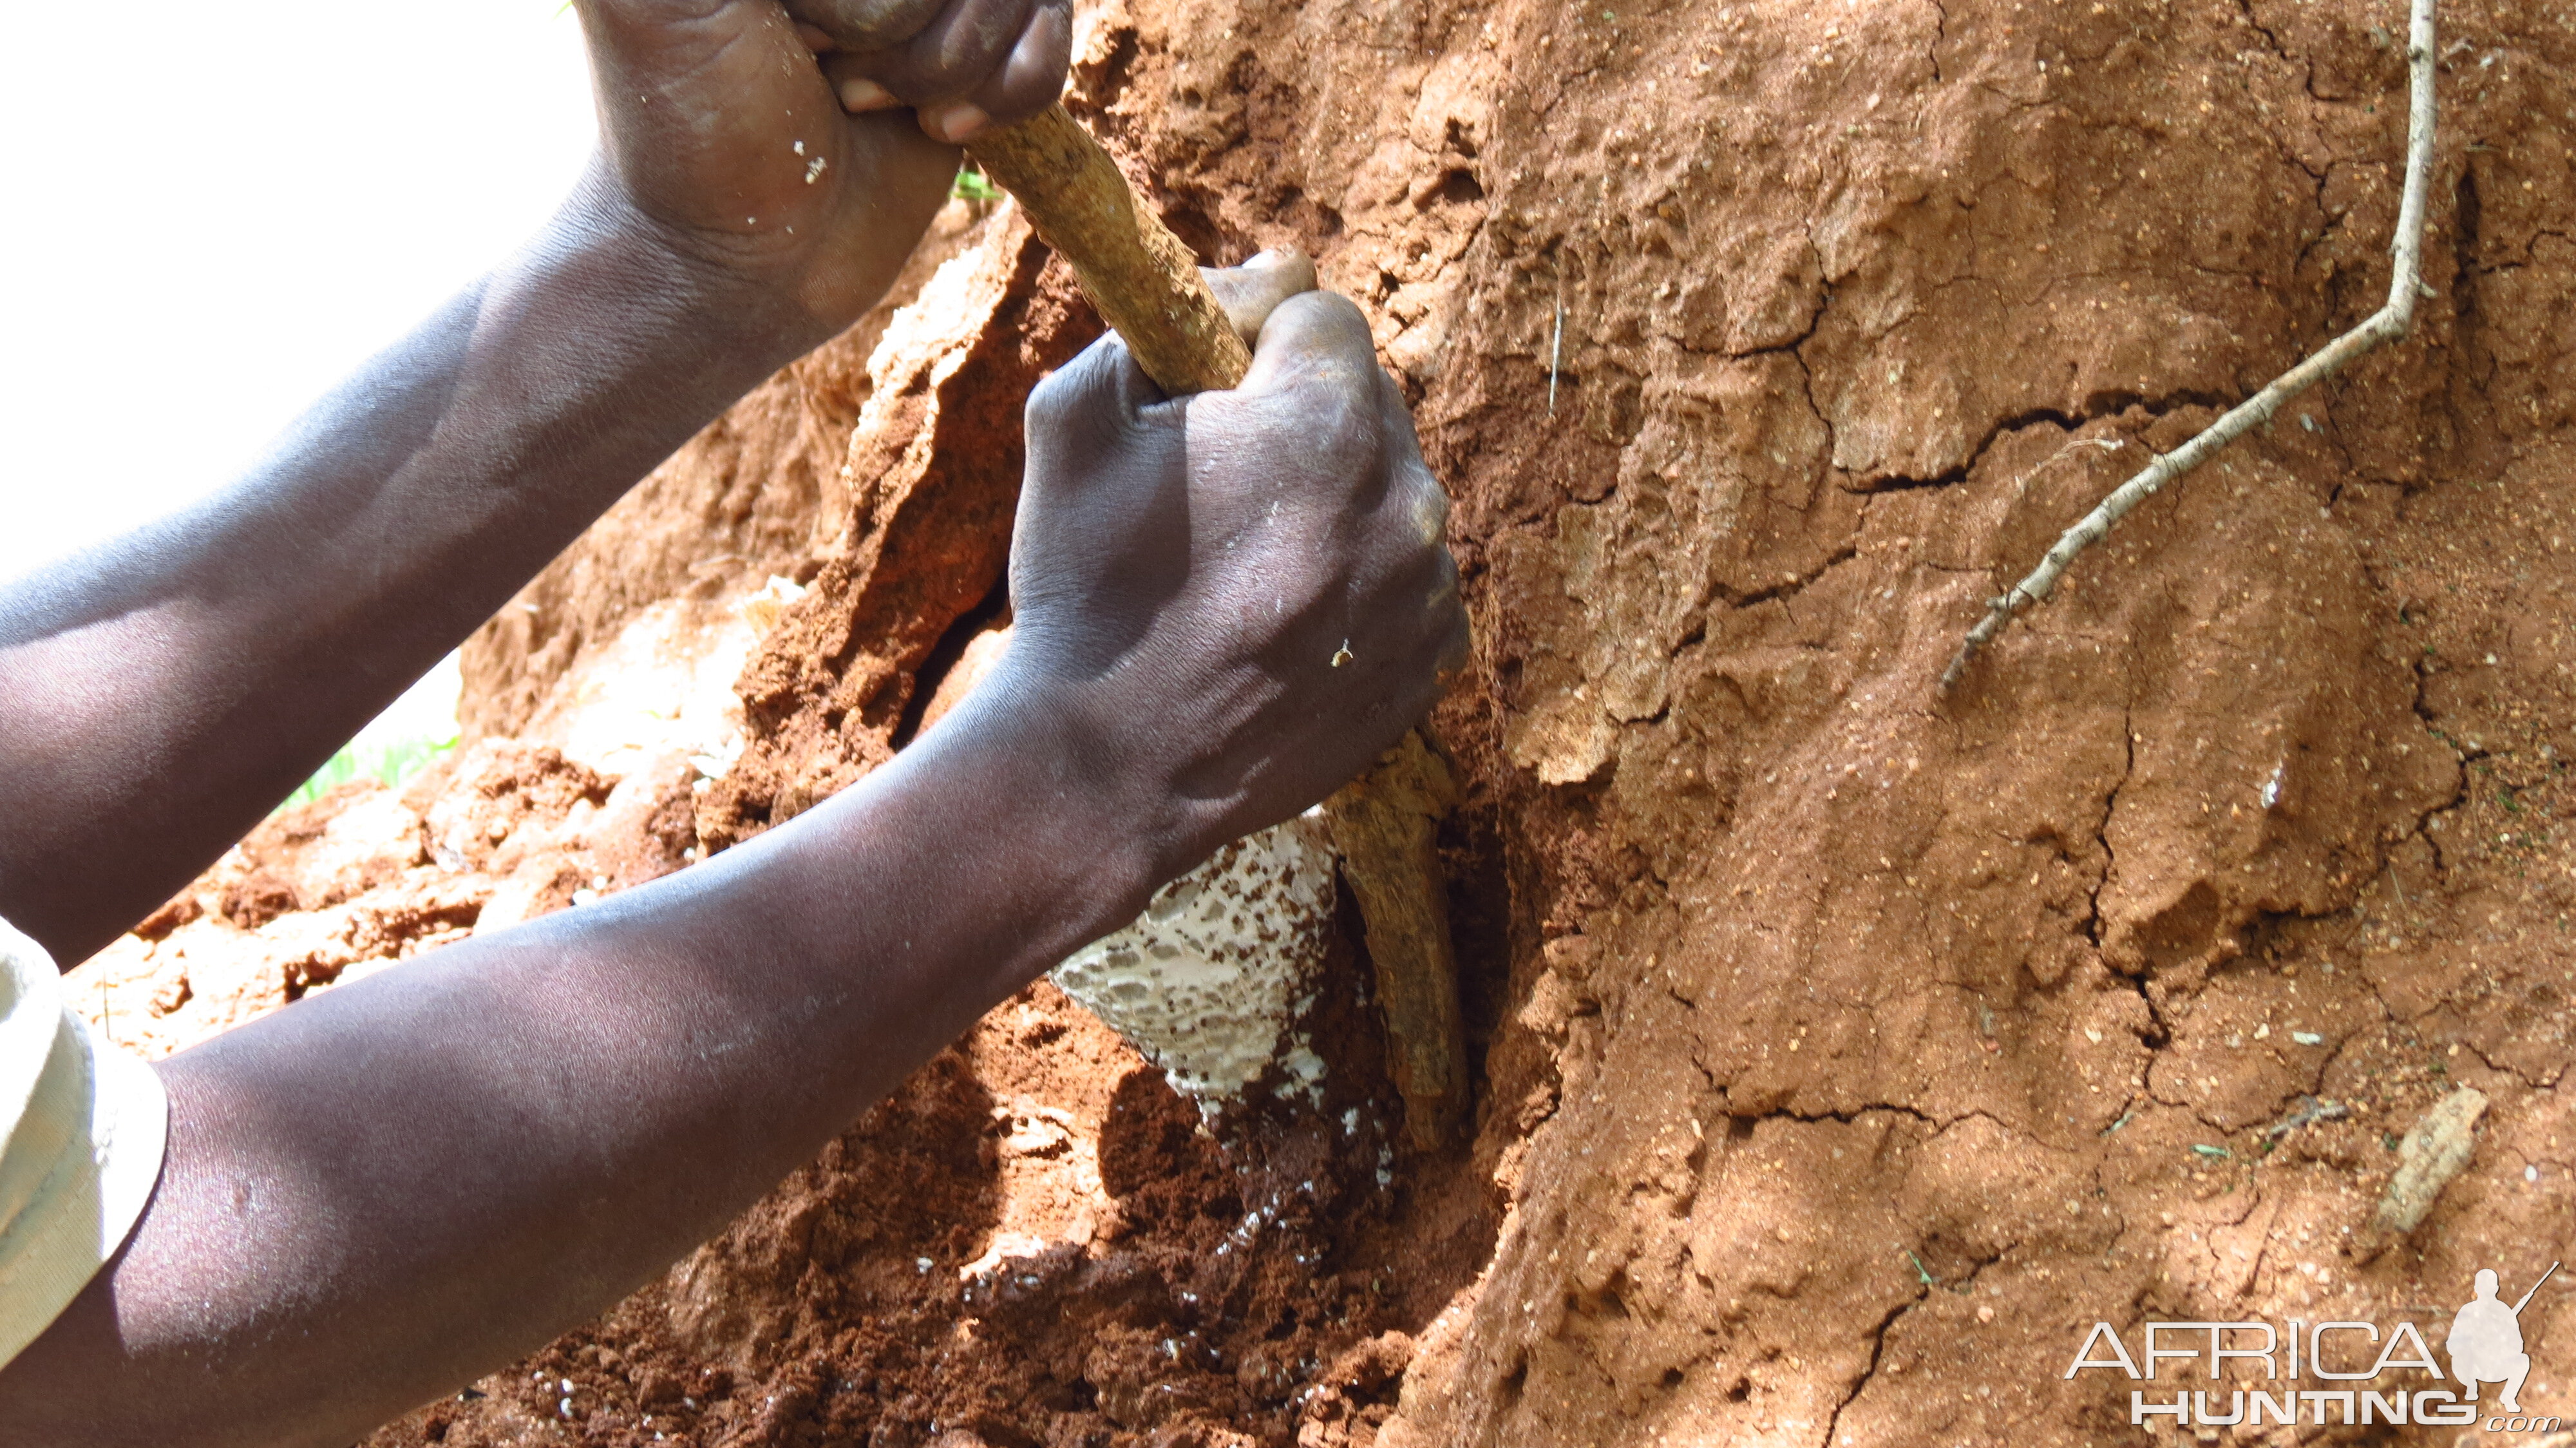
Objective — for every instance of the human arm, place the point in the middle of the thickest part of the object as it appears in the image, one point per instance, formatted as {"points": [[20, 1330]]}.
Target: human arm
{"points": [[161, 693], [387, 1190]]}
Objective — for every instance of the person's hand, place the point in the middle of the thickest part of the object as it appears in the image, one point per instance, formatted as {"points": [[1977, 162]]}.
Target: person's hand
{"points": [[963, 65], [1242, 597], [724, 140]]}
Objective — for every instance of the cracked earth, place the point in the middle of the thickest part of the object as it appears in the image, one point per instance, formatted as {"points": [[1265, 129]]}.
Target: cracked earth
{"points": [[2104, 989]]}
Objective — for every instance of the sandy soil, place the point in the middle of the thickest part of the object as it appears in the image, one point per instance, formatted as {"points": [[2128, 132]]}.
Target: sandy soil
{"points": [[1844, 1051]]}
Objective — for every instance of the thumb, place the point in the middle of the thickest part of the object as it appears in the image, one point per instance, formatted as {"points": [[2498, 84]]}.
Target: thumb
{"points": [[1314, 342], [1249, 292], [867, 24]]}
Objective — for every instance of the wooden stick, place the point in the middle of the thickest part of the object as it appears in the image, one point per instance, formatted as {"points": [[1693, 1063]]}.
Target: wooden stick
{"points": [[1141, 278], [2386, 325], [1386, 825]]}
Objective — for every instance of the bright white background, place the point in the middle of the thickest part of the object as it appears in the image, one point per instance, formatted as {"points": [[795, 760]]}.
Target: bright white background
{"points": [[216, 211]]}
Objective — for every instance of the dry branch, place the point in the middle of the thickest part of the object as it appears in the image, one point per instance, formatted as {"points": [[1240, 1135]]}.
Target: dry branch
{"points": [[1386, 823], [2386, 325], [1143, 280]]}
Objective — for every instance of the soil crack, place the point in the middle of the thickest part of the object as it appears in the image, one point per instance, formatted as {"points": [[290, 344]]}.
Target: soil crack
{"points": [[1877, 1352], [1790, 587], [2098, 407]]}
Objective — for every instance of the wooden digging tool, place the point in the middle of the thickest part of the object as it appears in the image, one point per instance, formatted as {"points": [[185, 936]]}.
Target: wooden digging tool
{"points": [[1146, 284]]}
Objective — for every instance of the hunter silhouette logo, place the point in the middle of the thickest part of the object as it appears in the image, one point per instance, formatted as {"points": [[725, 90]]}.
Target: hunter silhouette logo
{"points": [[2484, 1346], [2486, 1341]]}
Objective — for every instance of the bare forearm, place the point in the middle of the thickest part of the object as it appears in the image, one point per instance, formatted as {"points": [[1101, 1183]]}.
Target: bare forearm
{"points": [[167, 689], [383, 1191], [509, 1135]]}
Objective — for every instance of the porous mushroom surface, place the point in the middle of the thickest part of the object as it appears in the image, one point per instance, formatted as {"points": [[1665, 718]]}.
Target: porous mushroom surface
{"points": [[1208, 980]]}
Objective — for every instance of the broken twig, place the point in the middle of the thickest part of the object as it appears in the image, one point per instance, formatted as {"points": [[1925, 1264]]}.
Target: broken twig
{"points": [[2386, 325], [1555, 355]]}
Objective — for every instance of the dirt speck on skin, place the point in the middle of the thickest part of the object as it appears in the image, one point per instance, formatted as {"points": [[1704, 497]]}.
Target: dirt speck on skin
{"points": [[1843, 1052]]}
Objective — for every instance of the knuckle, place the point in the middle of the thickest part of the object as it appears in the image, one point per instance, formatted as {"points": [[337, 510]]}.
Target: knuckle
{"points": [[1432, 502], [969, 42], [1322, 324], [1052, 400], [1074, 401], [1334, 309], [868, 24], [1357, 434], [1031, 77], [1333, 389], [1328, 421]]}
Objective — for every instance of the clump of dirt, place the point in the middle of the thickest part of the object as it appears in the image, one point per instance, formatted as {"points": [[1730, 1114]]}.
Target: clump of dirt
{"points": [[1845, 1051], [363, 877]]}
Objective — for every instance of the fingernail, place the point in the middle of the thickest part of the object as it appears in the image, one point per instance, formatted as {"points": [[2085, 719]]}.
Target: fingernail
{"points": [[956, 122], [862, 94]]}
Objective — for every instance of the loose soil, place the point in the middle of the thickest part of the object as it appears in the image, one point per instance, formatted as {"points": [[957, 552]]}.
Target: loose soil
{"points": [[1844, 1051]]}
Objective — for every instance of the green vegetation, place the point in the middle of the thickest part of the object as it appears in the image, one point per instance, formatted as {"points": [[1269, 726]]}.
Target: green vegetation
{"points": [[392, 761], [973, 185]]}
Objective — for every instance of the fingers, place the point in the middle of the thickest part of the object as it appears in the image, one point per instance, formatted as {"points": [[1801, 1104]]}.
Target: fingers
{"points": [[1315, 378], [866, 24], [947, 57], [1033, 78], [1417, 525], [859, 93], [967, 65], [1314, 339], [1250, 292], [1456, 650]]}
